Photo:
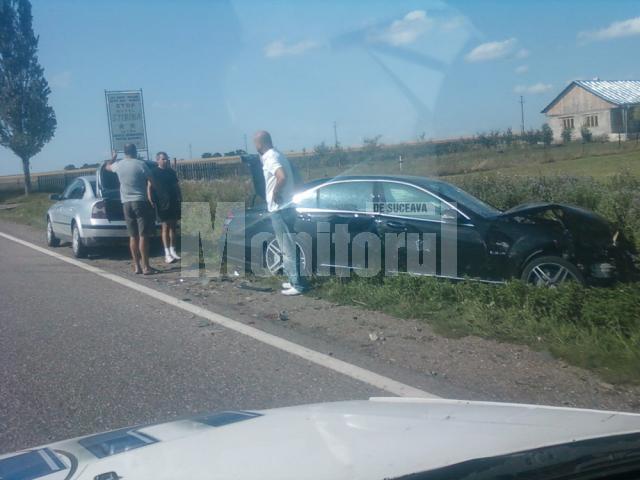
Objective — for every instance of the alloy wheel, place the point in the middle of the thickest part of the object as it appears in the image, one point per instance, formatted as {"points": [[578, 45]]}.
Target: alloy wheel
{"points": [[550, 275], [274, 260]]}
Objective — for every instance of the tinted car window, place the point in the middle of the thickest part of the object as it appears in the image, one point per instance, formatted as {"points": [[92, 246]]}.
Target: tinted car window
{"points": [[67, 190], [407, 201], [77, 191], [74, 191], [308, 199], [470, 202], [349, 196]]}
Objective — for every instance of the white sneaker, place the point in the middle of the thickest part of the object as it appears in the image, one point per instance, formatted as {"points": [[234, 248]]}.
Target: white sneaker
{"points": [[175, 255], [291, 292], [169, 259], [286, 285]]}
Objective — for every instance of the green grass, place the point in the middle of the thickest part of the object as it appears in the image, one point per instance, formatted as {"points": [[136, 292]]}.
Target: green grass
{"points": [[597, 166], [29, 210], [593, 159], [594, 328]]}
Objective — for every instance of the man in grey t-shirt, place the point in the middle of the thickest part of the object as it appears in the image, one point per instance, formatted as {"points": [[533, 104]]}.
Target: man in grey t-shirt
{"points": [[135, 193]]}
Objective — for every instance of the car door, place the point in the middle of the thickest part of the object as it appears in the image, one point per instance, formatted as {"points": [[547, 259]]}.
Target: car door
{"points": [[334, 215], [409, 223], [71, 199], [430, 235]]}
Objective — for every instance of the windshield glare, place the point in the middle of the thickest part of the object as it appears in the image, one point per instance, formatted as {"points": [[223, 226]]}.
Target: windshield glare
{"points": [[323, 239]]}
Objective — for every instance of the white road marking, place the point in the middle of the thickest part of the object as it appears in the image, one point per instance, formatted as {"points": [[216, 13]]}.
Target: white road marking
{"points": [[352, 371]]}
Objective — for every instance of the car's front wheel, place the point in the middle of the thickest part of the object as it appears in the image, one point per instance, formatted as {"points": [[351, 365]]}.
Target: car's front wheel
{"points": [[52, 240], [77, 243], [550, 271]]}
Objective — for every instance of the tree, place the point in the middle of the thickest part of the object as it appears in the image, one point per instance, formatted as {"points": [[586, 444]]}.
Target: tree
{"points": [[321, 149], [27, 122], [207, 155], [507, 136], [372, 143], [532, 137], [71, 166], [567, 133], [586, 134], [547, 134]]}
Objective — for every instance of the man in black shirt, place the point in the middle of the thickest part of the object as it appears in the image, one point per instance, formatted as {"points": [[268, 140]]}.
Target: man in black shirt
{"points": [[167, 198]]}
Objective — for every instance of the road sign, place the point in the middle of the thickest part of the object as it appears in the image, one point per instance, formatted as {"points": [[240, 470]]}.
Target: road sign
{"points": [[125, 111]]}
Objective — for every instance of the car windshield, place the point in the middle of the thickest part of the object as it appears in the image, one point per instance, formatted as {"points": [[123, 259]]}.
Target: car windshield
{"points": [[467, 201], [318, 239]]}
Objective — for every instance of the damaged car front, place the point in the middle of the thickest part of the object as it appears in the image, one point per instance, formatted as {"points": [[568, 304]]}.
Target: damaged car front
{"points": [[598, 250]]}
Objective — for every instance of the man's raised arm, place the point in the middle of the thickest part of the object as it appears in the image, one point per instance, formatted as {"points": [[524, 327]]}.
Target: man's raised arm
{"points": [[108, 164]]}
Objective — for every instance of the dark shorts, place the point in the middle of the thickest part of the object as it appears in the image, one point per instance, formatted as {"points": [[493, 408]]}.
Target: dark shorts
{"points": [[140, 218], [169, 212]]}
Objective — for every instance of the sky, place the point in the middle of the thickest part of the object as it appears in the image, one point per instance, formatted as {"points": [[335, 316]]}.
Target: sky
{"points": [[214, 71]]}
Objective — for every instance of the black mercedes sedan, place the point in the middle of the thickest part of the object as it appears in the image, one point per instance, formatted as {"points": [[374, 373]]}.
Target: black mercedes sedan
{"points": [[402, 224]]}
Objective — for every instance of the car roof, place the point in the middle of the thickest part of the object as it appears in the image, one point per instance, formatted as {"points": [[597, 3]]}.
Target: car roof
{"points": [[420, 181]]}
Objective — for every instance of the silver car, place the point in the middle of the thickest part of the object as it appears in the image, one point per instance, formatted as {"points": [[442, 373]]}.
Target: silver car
{"points": [[88, 214]]}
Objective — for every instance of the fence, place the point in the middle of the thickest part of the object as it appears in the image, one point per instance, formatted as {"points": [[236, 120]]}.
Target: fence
{"points": [[220, 167], [43, 182], [210, 169], [206, 169]]}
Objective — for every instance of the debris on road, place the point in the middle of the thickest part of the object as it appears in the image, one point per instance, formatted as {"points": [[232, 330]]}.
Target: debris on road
{"points": [[255, 288]]}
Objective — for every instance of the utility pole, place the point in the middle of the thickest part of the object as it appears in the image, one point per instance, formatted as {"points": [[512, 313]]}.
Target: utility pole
{"points": [[190, 153], [246, 146], [522, 115], [335, 134]]}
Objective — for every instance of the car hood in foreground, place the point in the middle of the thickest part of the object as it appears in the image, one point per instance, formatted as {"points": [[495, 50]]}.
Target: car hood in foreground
{"points": [[379, 438]]}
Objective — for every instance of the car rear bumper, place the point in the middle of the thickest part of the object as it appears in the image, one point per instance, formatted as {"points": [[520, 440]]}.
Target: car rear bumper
{"points": [[109, 230], [108, 233]]}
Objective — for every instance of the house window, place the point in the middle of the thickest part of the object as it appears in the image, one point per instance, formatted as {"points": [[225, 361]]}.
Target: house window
{"points": [[567, 122], [591, 121]]}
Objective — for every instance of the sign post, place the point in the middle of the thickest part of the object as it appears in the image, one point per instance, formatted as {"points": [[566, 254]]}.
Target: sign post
{"points": [[125, 113]]}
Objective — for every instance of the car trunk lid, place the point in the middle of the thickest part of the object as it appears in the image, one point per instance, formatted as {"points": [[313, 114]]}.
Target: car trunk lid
{"points": [[108, 189]]}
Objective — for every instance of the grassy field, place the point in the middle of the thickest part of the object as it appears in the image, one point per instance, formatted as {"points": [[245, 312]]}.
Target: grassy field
{"points": [[27, 210], [596, 166], [597, 329], [593, 159]]}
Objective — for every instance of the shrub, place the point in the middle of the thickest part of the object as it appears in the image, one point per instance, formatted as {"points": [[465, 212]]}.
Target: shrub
{"points": [[616, 198], [547, 134]]}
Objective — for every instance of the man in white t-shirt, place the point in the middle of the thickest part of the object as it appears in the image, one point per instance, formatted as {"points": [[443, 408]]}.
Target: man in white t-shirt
{"points": [[279, 185]]}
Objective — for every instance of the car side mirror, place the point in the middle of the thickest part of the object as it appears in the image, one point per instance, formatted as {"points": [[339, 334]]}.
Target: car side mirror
{"points": [[55, 196]]}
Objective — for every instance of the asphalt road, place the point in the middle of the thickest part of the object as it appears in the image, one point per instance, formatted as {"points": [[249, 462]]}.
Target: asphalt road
{"points": [[81, 354]]}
